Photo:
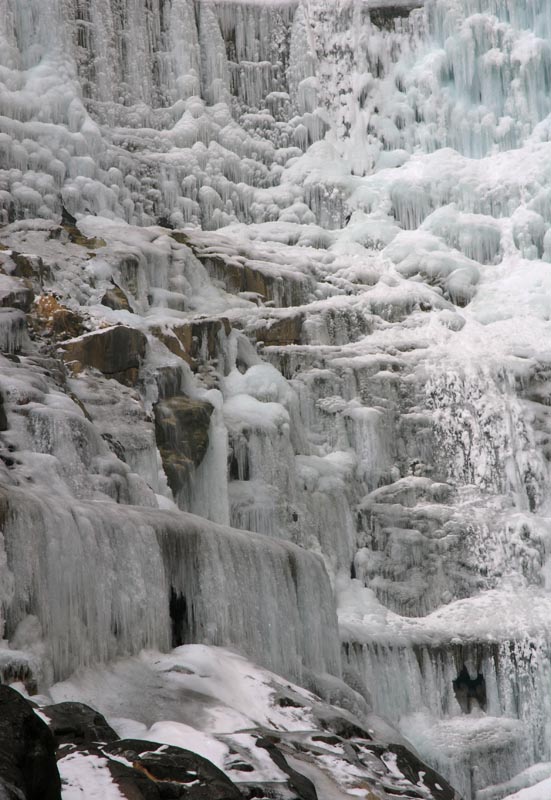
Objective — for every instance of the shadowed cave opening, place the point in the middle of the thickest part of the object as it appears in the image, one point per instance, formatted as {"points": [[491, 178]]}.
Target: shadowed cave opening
{"points": [[178, 617], [469, 690]]}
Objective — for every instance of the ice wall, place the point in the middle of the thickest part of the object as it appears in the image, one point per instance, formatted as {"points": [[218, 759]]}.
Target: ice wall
{"points": [[160, 580], [357, 293]]}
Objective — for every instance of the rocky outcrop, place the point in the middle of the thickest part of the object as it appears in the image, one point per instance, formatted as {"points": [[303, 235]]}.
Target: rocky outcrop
{"points": [[280, 332], [15, 293], [385, 16], [176, 773], [28, 266], [27, 752], [116, 352], [302, 786], [194, 340], [241, 275], [69, 231], [54, 320], [182, 432], [78, 724], [116, 299]]}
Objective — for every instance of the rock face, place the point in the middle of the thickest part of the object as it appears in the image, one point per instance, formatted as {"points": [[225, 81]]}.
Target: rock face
{"points": [[13, 330], [182, 433], [27, 752], [194, 340], [281, 332], [29, 267], [54, 320], [116, 352], [116, 299], [240, 275]]}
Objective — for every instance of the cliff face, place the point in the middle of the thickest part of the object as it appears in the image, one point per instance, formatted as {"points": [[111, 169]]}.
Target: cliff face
{"points": [[274, 367]]}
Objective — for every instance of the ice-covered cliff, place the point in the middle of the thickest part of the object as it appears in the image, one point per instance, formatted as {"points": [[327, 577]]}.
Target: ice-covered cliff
{"points": [[275, 319]]}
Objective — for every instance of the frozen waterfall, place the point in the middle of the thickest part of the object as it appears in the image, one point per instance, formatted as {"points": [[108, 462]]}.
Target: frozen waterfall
{"points": [[275, 374]]}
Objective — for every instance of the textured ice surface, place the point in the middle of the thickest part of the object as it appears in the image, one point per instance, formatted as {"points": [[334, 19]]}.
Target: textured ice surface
{"points": [[372, 184], [222, 704]]}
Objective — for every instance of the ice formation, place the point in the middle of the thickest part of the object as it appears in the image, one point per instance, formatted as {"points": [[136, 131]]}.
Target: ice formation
{"points": [[319, 234]]}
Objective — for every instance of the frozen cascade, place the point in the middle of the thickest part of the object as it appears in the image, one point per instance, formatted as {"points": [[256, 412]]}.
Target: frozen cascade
{"points": [[144, 559], [307, 221]]}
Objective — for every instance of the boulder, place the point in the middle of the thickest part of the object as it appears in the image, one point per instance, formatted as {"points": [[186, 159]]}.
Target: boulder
{"points": [[177, 773], [69, 228], [116, 352], [78, 724], [76, 763], [178, 339], [239, 275], [27, 751]]}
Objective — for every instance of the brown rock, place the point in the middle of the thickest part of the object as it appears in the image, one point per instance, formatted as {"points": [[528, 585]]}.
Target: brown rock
{"points": [[194, 340], [31, 267], [180, 237], [281, 332], [116, 352], [77, 237], [178, 339], [239, 276], [182, 432], [49, 317], [116, 299], [177, 773]]}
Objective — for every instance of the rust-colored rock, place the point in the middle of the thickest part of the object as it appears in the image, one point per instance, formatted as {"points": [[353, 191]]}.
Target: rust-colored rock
{"points": [[49, 317]]}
